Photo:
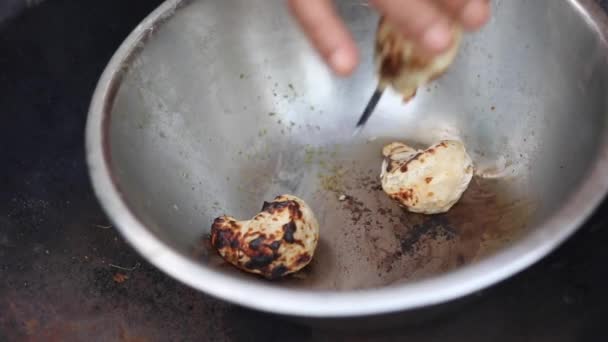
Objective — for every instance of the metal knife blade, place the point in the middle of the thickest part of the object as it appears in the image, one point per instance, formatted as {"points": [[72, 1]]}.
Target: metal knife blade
{"points": [[369, 109]]}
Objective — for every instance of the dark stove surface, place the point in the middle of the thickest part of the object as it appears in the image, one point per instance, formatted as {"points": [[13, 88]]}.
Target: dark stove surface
{"points": [[65, 275]]}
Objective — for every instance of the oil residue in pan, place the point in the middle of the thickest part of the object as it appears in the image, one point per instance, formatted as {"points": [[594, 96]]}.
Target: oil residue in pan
{"points": [[367, 240]]}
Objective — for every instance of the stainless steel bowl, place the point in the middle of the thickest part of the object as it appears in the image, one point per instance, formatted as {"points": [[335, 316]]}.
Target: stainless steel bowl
{"points": [[212, 107]]}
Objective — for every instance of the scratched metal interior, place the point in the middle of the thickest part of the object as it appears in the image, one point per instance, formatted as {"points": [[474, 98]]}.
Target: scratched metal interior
{"points": [[219, 111]]}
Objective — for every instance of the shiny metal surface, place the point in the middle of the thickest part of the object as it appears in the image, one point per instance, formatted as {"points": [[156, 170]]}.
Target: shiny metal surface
{"points": [[212, 107]]}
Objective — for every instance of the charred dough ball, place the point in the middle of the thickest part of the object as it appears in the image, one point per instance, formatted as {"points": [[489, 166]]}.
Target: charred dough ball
{"points": [[278, 241], [429, 181], [400, 64]]}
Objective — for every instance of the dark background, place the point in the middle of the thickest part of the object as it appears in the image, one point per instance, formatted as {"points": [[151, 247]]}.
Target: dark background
{"points": [[58, 258]]}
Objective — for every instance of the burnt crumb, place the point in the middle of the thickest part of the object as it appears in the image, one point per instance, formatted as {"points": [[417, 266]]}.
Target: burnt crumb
{"points": [[432, 227], [275, 245], [377, 187], [256, 243], [259, 261], [356, 208], [288, 231], [403, 168], [428, 180], [278, 272]]}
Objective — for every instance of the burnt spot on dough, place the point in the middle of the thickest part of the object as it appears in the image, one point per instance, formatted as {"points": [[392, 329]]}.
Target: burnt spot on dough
{"points": [[404, 166], [392, 62], [221, 238], [415, 157], [219, 221], [303, 258], [389, 164], [222, 232], [278, 206], [389, 48], [256, 243], [289, 230], [275, 245], [428, 180], [404, 196], [278, 272], [259, 262]]}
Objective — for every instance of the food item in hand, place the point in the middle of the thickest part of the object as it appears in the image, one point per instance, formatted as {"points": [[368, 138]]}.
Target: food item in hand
{"points": [[278, 241], [401, 65], [429, 181]]}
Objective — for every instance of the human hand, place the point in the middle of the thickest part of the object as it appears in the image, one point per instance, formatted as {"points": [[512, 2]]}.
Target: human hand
{"points": [[426, 22]]}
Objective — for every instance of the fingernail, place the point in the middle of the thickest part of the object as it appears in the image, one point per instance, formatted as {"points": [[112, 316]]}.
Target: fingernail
{"points": [[438, 37], [341, 62]]}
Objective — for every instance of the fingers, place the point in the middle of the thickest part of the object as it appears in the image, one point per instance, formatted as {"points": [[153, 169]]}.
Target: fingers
{"points": [[327, 33], [453, 6], [472, 14], [420, 20], [428, 23], [475, 14]]}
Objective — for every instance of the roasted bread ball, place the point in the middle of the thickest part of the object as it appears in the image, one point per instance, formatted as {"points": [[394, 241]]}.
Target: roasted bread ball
{"points": [[429, 181], [401, 65], [280, 240]]}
